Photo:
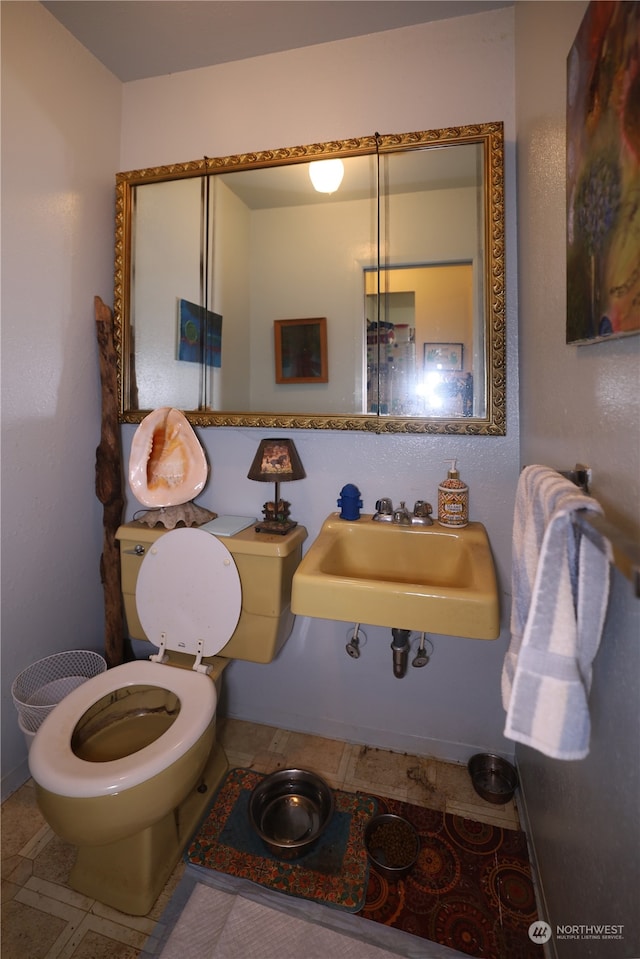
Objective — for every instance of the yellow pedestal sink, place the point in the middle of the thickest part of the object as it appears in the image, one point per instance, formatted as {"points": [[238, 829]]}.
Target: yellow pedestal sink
{"points": [[424, 578]]}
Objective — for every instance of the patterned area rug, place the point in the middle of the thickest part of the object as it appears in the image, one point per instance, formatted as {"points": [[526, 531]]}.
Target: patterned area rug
{"points": [[334, 872], [470, 890]]}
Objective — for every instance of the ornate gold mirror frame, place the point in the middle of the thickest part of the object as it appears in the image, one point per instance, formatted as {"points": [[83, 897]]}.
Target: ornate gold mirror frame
{"points": [[488, 136]]}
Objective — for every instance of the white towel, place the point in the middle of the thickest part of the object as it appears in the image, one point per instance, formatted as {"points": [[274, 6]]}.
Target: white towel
{"points": [[560, 593]]}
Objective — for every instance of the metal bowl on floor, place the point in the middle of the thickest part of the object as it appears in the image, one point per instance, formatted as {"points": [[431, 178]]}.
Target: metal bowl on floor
{"points": [[392, 844], [289, 810], [493, 778]]}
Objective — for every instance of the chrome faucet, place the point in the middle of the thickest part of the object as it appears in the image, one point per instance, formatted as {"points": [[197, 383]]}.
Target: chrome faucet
{"points": [[401, 516]]}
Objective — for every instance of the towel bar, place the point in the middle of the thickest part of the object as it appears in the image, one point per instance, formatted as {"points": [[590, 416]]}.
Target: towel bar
{"points": [[626, 553]]}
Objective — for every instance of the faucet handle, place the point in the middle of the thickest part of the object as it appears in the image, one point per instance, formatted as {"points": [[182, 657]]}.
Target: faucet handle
{"points": [[384, 506], [422, 513]]}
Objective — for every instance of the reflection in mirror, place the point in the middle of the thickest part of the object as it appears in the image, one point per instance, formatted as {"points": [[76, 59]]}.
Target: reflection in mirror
{"points": [[404, 260], [421, 350]]}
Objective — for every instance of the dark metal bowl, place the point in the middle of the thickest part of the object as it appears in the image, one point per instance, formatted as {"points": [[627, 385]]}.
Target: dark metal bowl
{"points": [[493, 778], [289, 810], [378, 855]]}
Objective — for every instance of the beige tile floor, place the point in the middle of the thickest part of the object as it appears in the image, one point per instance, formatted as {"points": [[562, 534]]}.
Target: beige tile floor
{"points": [[42, 918]]}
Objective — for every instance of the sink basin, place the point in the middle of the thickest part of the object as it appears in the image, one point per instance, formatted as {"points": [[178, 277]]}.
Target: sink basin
{"points": [[427, 578]]}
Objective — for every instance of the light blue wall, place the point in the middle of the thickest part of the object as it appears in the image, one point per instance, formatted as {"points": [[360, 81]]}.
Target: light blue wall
{"points": [[450, 708]]}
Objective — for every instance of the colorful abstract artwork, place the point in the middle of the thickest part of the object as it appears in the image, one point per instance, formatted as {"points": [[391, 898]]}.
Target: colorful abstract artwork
{"points": [[603, 174]]}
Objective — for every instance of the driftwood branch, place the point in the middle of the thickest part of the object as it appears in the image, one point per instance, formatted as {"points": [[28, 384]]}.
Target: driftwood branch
{"points": [[109, 486]]}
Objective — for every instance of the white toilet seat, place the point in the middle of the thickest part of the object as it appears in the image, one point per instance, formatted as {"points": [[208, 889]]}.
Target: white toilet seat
{"points": [[56, 768]]}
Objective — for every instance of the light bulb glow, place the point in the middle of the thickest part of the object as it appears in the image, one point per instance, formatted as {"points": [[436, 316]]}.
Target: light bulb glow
{"points": [[326, 175], [429, 390]]}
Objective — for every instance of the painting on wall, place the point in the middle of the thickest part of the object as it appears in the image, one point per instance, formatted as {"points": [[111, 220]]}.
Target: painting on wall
{"points": [[603, 174], [199, 335], [443, 357], [301, 350]]}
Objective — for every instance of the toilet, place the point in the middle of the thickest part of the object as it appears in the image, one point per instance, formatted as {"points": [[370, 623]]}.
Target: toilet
{"points": [[126, 764]]}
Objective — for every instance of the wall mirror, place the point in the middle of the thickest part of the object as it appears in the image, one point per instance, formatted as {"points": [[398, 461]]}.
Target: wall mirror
{"points": [[400, 269]]}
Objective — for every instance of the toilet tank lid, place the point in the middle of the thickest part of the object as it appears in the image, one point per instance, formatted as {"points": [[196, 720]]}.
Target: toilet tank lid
{"points": [[247, 541]]}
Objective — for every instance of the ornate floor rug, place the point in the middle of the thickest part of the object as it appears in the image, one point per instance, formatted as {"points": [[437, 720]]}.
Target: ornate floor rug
{"points": [[471, 889], [334, 872]]}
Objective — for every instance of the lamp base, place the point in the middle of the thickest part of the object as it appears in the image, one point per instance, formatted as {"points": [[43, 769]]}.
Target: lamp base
{"points": [[279, 527]]}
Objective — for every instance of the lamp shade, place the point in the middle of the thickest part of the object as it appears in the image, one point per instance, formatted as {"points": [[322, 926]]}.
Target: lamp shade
{"points": [[326, 175], [276, 461]]}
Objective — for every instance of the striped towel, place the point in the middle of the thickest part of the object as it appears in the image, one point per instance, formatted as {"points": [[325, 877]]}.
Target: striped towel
{"points": [[560, 593]]}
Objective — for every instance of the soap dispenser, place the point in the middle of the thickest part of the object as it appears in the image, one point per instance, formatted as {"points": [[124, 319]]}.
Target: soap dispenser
{"points": [[453, 499]]}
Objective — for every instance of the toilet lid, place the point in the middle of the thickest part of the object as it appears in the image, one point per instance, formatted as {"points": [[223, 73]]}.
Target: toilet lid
{"points": [[188, 589]]}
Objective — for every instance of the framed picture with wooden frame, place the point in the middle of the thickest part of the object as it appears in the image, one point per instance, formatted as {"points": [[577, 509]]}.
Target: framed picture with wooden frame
{"points": [[301, 350], [443, 357]]}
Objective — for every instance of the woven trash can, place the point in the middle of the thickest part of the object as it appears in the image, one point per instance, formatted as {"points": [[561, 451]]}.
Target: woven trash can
{"points": [[40, 687]]}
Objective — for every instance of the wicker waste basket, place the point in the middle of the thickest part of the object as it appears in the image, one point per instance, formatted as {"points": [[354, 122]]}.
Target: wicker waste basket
{"points": [[40, 687]]}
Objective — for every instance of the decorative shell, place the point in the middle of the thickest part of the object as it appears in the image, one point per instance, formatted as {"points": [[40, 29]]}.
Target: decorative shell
{"points": [[167, 465]]}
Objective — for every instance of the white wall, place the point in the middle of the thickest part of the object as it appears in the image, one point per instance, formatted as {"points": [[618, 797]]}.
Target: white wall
{"points": [[60, 140], [321, 276], [442, 74], [578, 404]]}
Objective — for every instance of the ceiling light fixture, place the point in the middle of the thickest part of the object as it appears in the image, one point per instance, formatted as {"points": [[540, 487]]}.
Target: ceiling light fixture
{"points": [[326, 175]]}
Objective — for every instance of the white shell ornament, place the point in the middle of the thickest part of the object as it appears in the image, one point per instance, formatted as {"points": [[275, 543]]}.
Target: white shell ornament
{"points": [[167, 465]]}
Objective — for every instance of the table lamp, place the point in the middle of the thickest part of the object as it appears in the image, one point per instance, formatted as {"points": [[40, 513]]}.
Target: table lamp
{"points": [[276, 461]]}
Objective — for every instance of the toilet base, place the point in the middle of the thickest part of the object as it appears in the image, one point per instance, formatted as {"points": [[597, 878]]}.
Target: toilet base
{"points": [[129, 874]]}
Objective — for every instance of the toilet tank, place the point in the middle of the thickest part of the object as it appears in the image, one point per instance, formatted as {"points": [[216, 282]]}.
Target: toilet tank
{"points": [[266, 564]]}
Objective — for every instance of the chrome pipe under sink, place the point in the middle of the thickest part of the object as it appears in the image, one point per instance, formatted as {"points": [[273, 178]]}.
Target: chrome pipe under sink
{"points": [[400, 650]]}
